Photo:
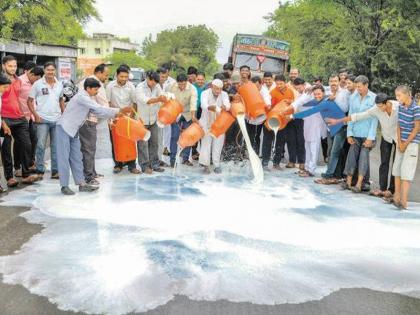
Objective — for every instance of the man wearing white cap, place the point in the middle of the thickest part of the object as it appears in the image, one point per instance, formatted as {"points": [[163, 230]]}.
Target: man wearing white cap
{"points": [[213, 101]]}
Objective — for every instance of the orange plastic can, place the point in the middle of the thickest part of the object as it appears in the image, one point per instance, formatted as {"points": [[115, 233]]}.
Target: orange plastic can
{"points": [[191, 135], [169, 112], [254, 102], [131, 129], [276, 119], [124, 149], [221, 124]]}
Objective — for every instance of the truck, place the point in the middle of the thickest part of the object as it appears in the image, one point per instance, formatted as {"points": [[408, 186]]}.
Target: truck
{"points": [[260, 53]]}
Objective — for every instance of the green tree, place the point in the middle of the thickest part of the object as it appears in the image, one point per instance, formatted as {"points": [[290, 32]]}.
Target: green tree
{"points": [[378, 38], [45, 21], [192, 45], [131, 59]]}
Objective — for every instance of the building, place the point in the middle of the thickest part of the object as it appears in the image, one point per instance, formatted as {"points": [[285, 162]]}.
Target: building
{"points": [[64, 57], [94, 50]]}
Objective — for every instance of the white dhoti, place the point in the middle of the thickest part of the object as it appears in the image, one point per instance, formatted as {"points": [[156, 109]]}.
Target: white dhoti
{"points": [[211, 150], [312, 155]]}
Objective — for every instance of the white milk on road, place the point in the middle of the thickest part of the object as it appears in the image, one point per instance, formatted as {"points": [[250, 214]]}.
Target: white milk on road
{"points": [[253, 157]]}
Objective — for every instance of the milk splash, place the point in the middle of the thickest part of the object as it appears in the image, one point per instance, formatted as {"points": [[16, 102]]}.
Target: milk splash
{"points": [[253, 157]]}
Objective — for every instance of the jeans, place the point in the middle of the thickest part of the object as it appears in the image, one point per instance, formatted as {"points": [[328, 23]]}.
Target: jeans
{"points": [[44, 129], [20, 133], [384, 168], [88, 137], [33, 137], [148, 150], [358, 158], [130, 164], [295, 140], [268, 139], [336, 149], [176, 129]]}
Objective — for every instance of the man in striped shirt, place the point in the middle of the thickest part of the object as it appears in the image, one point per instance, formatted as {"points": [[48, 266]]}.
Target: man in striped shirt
{"points": [[408, 137]]}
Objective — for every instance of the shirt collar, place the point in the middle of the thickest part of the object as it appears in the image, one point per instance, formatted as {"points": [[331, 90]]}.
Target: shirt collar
{"points": [[45, 80]]}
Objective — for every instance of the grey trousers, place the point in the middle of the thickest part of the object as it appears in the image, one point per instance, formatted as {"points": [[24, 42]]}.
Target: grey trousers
{"points": [[357, 158], [88, 136], [69, 157], [149, 150]]}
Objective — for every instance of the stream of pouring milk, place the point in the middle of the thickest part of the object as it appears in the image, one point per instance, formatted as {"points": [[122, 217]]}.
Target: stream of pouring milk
{"points": [[253, 157]]}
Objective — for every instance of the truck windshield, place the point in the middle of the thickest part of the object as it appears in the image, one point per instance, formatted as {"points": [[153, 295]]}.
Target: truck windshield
{"points": [[269, 64]]}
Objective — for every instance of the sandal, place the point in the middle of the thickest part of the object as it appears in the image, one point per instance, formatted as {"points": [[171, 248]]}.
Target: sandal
{"points": [[30, 180], [387, 194], [290, 165], [356, 190], [12, 183], [136, 171], [306, 174], [377, 193]]}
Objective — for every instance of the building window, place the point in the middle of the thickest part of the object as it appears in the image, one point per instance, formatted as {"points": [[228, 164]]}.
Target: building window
{"points": [[97, 51], [82, 51]]}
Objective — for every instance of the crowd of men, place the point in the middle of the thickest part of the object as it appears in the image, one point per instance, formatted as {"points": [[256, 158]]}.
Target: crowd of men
{"points": [[341, 119]]}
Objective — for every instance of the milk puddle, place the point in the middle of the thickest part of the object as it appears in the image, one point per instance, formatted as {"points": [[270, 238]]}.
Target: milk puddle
{"points": [[141, 240]]}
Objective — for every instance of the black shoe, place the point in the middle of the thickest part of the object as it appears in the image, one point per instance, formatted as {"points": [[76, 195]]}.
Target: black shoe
{"points": [[55, 175], [158, 169], [87, 188], [117, 169], [67, 191]]}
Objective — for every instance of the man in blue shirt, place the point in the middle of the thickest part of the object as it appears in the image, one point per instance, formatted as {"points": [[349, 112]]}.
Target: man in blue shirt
{"points": [[69, 155], [329, 109], [408, 138], [361, 135]]}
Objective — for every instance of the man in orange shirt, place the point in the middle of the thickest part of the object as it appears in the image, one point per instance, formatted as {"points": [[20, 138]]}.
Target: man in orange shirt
{"points": [[280, 93]]}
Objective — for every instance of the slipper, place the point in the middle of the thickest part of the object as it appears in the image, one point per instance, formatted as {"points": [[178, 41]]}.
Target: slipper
{"points": [[326, 181], [377, 193], [12, 183], [306, 174], [388, 194]]}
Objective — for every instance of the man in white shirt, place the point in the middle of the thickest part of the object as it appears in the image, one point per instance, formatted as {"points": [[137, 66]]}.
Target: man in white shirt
{"points": [[268, 81], [121, 93], [213, 101], [48, 94], [149, 99], [186, 94], [88, 132]]}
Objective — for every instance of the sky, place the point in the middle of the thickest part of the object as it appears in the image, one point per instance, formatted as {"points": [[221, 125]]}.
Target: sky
{"points": [[138, 18]]}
